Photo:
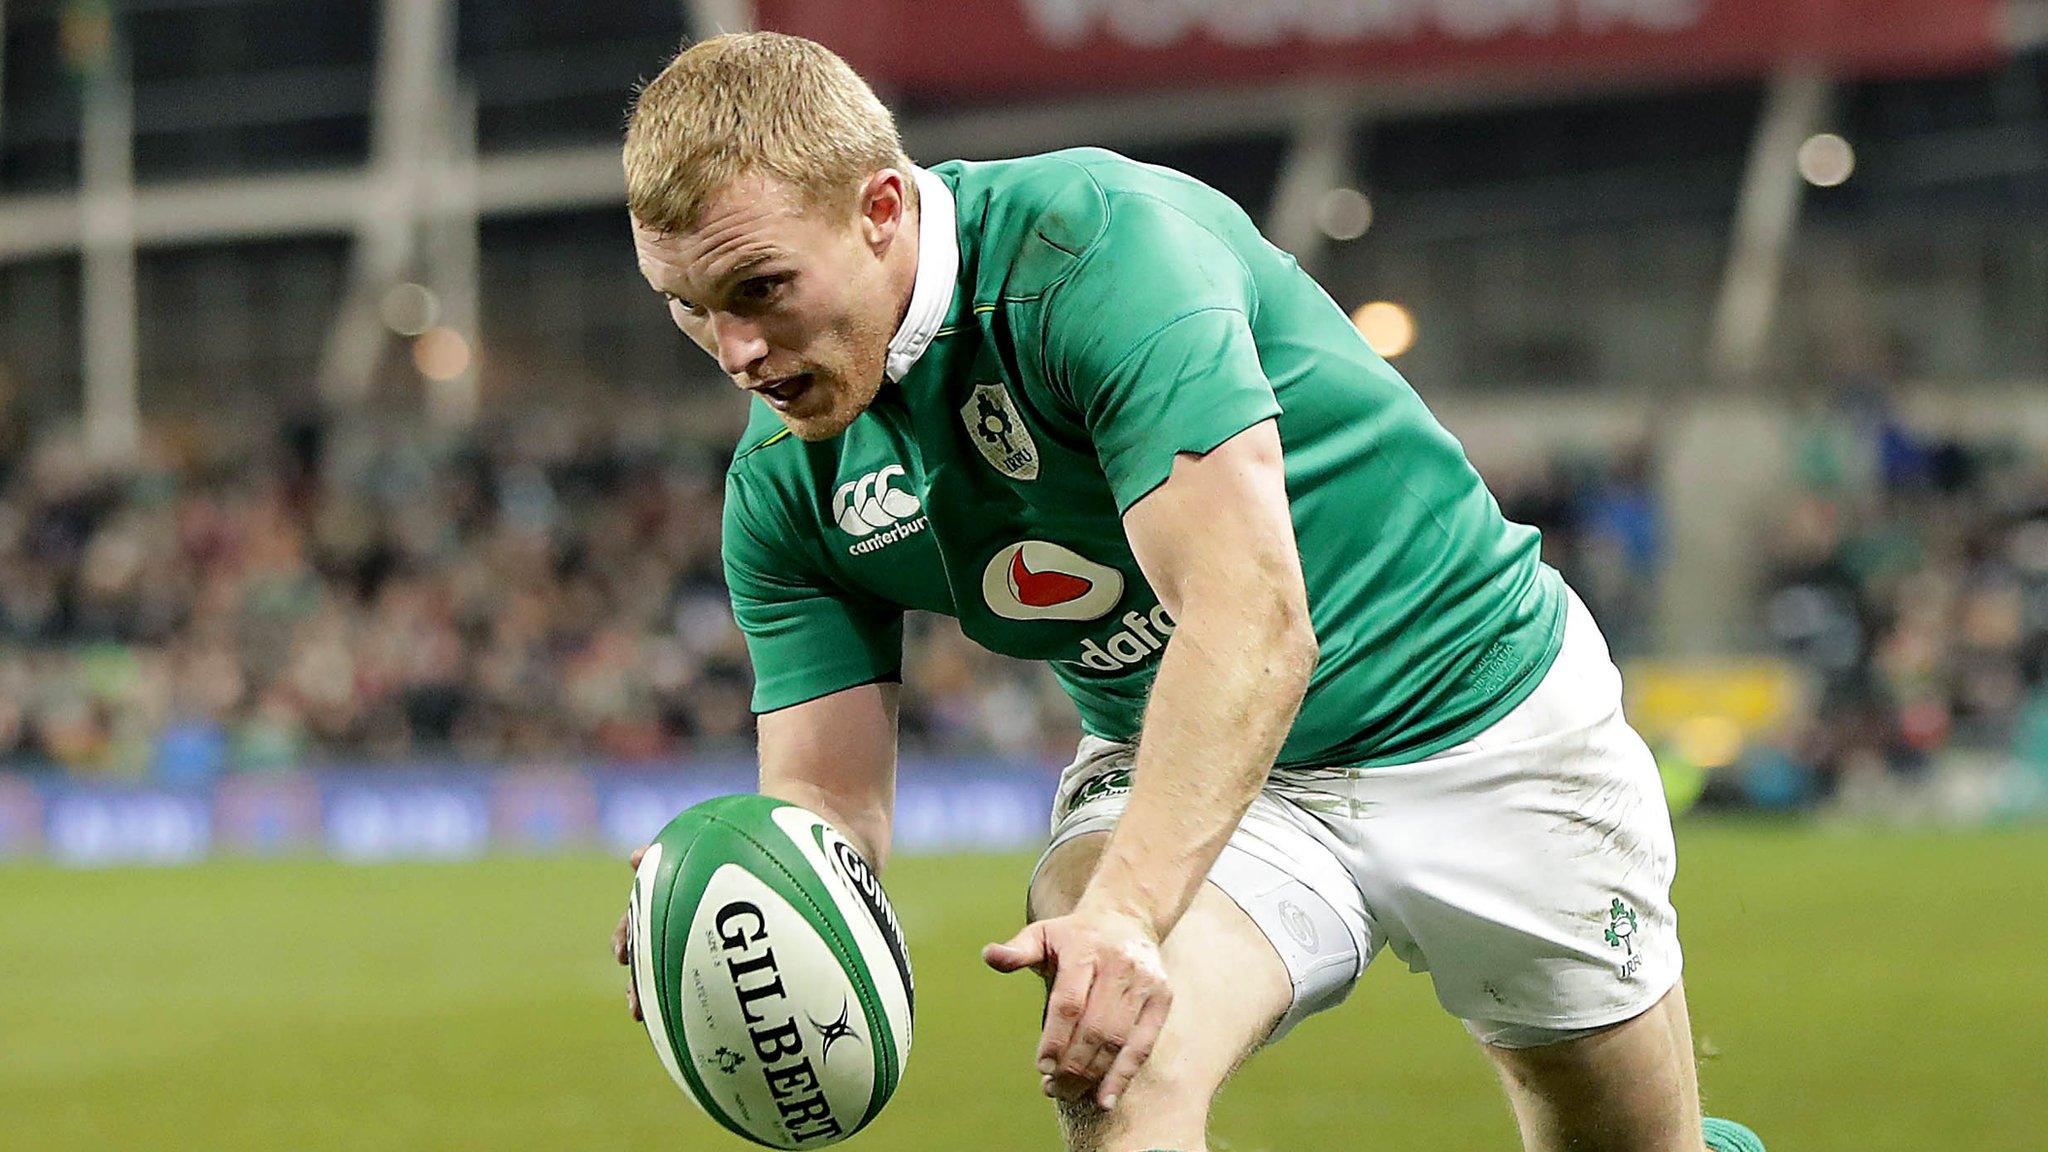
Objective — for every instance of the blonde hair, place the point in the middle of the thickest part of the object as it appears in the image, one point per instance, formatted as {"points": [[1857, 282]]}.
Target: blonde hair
{"points": [[747, 104]]}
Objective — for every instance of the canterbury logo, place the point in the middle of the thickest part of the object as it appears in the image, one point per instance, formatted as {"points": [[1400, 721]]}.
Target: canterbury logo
{"points": [[861, 506]]}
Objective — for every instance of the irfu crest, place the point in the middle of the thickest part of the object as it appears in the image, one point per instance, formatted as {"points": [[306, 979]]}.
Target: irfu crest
{"points": [[1621, 926], [1621, 933], [996, 428]]}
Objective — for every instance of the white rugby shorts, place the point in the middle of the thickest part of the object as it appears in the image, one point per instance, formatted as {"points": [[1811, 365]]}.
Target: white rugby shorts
{"points": [[1528, 870]]}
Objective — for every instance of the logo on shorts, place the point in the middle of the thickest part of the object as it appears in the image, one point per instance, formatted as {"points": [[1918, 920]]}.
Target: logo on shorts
{"points": [[1113, 781], [1298, 925], [1621, 933], [996, 427], [1039, 580]]}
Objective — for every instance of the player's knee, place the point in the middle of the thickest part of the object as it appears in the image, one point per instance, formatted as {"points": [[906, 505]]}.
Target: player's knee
{"points": [[1085, 1124], [1156, 1112]]}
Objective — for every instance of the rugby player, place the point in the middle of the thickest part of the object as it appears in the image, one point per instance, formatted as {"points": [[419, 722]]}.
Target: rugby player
{"points": [[1334, 702]]}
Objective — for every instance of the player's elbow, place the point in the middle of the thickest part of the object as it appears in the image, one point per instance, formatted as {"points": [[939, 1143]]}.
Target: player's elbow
{"points": [[1252, 614], [1291, 630], [1281, 637], [1295, 647]]}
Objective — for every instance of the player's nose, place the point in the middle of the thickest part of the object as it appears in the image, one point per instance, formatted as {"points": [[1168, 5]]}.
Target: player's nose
{"points": [[739, 344]]}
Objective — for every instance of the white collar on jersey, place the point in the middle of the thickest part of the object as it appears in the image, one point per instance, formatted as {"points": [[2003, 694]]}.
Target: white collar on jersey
{"points": [[938, 272]]}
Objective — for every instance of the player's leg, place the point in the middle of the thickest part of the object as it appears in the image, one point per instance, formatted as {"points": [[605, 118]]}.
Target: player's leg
{"points": [[1529, 871], [1630, 1087], [1230, 987], [1279, 932]]}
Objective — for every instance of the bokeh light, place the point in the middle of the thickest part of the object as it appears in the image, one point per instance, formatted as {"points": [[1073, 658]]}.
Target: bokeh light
{"points": [[409, 309], [1387, 326], [1344, 214], [440, 354], [1826, 160]]}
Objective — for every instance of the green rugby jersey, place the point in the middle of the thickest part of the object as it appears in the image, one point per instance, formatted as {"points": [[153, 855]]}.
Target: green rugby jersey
{"points": [[1088, 317]]}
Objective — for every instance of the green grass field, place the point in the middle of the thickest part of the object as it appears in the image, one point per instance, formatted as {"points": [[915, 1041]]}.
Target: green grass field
{"points": [[1855, 990]]}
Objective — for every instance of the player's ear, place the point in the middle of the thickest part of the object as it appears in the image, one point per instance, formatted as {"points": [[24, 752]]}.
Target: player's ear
{"points": [[882, 206]]}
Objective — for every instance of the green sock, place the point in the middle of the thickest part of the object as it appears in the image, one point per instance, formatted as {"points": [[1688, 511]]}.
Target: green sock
{"points": [[1728, 1136]]}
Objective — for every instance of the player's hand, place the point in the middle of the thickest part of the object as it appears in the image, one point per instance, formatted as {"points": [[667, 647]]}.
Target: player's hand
{"points": [[622, 949], [1109, 998]]}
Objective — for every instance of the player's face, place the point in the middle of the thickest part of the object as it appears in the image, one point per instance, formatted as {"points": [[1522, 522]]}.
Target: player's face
{"points": [[791, 299]]}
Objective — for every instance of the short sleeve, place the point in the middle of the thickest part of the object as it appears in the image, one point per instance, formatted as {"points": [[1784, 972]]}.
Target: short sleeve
{"points": [[806, 638], [1150, 339]]}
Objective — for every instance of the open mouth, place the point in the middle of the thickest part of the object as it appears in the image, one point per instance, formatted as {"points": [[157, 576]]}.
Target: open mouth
{"points": [[782, 395]]}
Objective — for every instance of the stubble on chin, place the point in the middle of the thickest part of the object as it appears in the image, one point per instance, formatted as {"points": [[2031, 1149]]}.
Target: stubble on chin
{"points": [[823, 425], [814, 429], [846, 408]]}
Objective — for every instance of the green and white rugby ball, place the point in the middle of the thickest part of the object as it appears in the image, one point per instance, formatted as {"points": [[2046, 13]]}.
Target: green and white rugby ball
{"points": [[772, 974]]}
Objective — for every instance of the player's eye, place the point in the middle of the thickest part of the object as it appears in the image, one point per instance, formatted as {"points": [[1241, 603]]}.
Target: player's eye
{"points": [[763, 289]]}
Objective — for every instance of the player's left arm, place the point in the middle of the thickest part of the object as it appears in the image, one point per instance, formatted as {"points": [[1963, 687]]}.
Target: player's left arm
{"points": [[1216, 542], [1152, 343], [1217, 545]]}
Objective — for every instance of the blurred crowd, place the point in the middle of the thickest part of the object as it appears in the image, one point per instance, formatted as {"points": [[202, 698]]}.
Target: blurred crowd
{"points": [[550, 591], [1909, 575], [529, 594], [1602, 527]]}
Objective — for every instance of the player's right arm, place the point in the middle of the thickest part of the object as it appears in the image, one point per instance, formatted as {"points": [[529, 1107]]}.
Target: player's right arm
{"points": [[836, 756], [827, 661]]}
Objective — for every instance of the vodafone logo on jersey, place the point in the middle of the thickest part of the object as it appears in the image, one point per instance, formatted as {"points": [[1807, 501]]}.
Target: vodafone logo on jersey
{"points": [[1039, 580], [1143, 636]]}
